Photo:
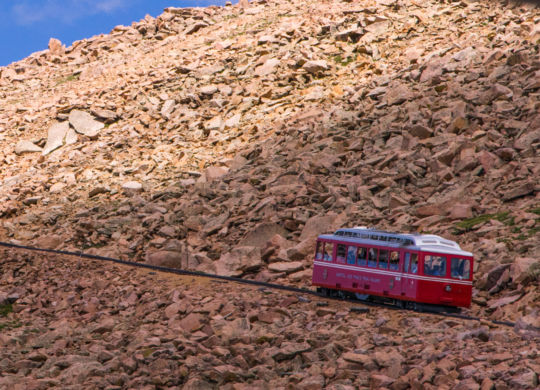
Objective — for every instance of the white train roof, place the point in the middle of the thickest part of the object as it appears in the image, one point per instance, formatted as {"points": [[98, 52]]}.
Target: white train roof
{"points": [[424, 242]]}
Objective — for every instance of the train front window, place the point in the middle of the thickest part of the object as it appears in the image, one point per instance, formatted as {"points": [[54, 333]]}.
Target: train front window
{"points": [[328, 251], [460, 268], [319, 253], [362, 256], [341, 253], [435, 265], [394, 260], [383, 258], [351, 255]]}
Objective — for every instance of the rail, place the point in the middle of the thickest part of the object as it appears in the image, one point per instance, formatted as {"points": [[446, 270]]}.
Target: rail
{"points": [[272, 286]]}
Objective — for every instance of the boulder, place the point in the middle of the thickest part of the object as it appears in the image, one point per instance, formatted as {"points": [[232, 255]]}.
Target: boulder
{"points": [[238, 261], [420, 131], [132, 187], [55, 47], [25, 146], [84, 123], [261, 234], [286, 266], [166, 258], [315, 66], [320, 224], [525, 270], [55, 137], [214, 173], [268, 67]]}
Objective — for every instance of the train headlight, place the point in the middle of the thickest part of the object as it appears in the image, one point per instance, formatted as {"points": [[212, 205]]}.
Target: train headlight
{"points": [[448, 288]]}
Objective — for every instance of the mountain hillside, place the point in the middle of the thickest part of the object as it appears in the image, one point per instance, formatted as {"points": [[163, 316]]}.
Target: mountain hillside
{"points": [[224, 140]]}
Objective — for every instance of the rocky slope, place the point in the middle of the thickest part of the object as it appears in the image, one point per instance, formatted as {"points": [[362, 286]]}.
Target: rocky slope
{"points": [[111, 327], [225, 139]]}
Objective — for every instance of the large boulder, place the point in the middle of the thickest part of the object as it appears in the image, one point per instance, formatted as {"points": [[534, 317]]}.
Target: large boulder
{"points": [[84, 123], [171, 259], [261, 234], [525, 270], [238, 261], [321, 224]]}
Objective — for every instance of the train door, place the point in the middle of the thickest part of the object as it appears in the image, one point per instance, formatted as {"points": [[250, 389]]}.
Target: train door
{"points": [[394, 266], [409, 282]]}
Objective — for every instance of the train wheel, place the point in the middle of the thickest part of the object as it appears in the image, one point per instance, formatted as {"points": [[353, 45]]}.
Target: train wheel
{"points": [[361, 297], [410, 305]]}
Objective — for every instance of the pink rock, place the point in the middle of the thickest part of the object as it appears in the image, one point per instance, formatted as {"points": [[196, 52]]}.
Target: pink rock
{"points": [[461, 211], [55, 47], [191, 322], [214, 173], [167, 259]]}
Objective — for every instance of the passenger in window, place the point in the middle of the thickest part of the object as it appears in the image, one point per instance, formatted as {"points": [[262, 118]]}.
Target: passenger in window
{"points": [[459, 268], [394, 260], [319, 253], [435, 265], [351, 255], [441, 266], [362, 256], [328, 251], [414, 263], [341, 253]]}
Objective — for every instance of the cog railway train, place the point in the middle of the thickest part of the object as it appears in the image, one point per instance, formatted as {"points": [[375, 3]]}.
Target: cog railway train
{"points": [[410, 270]]}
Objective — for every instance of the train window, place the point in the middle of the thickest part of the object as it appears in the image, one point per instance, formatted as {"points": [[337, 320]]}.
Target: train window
{"points": [[362, 256], [372, 257], [394, 260], [407, 262], [460, 268], [319, 253], [328, 251], [383, 258], [341, 253], [351, 255], [435, 265], [414, 263]]}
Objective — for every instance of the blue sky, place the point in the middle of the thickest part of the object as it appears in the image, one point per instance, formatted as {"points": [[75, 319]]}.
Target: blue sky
{"points": [[27, 25]]}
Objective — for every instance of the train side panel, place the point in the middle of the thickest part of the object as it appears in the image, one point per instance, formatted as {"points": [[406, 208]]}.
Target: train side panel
{"points": [[425, 277]]}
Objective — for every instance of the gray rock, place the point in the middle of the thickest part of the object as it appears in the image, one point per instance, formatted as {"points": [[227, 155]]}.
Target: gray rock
{"points": [[55, 137], [208, 90], [286, 266], [25, 146], [84, 123], [316, 66], [71, 137], [132, 187]]}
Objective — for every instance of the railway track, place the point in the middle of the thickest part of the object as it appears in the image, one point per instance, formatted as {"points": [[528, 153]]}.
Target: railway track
{"points": [[266, 285]]}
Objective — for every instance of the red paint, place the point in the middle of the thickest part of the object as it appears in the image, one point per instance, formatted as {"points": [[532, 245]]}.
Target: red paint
{"points": [[397, 284]]}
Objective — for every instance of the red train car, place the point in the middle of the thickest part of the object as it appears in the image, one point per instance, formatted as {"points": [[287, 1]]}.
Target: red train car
{"points": [[409, 269]]}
